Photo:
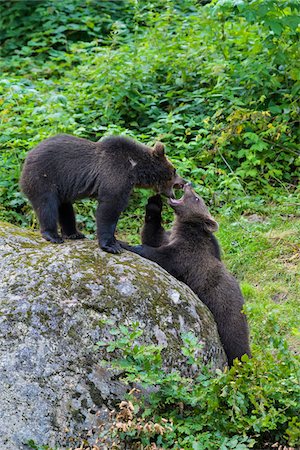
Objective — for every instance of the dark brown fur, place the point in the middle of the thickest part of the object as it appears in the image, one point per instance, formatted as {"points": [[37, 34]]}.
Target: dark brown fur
{"points": [[192, 255], [64, 168], [153, 233]]}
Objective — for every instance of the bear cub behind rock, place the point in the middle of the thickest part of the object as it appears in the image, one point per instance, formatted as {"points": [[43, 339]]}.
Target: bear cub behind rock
{"points": [[64, 168], [190, 252]]}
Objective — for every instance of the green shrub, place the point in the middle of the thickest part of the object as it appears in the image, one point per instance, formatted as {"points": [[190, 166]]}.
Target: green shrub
{"points": [[217, 83], [254, 403], [42, 28]]}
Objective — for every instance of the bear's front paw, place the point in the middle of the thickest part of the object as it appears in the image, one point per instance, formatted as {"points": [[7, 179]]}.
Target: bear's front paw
{"points": [[154, 206], [114, 247], [125, 245], [138, 249], [52, 237]]}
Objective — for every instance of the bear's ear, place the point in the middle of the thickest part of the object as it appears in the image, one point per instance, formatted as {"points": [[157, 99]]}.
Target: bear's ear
{"points": [[210, 225], [159, 149]]}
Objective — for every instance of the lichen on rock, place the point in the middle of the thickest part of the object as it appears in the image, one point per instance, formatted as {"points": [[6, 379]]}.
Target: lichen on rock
{"points": [[54, 301]]}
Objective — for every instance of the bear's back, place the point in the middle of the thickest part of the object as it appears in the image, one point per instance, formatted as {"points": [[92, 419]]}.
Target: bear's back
{"points": [[56, 160], [123, 145]]}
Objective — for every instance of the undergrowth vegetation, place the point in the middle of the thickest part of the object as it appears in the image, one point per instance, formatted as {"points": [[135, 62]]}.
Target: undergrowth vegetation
{"points": [[255, 404], [218, 82]]}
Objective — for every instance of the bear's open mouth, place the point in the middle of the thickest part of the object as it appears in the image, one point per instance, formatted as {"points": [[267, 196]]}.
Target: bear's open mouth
{"points": [[174, 201], [178, 185], [187, 188]]}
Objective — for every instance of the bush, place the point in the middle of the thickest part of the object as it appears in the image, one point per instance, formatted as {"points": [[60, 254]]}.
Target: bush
{"points": [[254, 403], [40, 28], [217, 83]]}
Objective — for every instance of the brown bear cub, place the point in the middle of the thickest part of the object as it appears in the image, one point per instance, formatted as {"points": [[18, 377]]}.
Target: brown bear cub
{"points": [[64, 168], [191, 254]]}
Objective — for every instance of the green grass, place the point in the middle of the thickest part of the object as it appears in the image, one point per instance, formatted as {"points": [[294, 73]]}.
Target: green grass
{"points": [[265, 256]]}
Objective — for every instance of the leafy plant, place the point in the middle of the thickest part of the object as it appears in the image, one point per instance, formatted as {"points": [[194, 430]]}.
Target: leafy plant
{"points": [[43, 27], [217, 83], [255, 402], [34, 446]]}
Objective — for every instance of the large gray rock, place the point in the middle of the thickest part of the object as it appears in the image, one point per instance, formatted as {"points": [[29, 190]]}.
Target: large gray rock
{"points": [[53, 299]]}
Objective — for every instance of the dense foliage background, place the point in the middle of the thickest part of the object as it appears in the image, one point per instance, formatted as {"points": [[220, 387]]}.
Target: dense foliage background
{"points": [[218, 82]]}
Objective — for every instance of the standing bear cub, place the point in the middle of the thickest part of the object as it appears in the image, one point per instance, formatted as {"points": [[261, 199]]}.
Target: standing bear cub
{"points": [[64, 168], [191, 253]]}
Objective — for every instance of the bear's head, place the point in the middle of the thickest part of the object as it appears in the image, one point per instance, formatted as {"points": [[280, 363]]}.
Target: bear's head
{"points": [[191, 208], [168, 179]]}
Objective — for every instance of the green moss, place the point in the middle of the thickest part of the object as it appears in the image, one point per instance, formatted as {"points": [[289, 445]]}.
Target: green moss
{"points": [[44, 317]]}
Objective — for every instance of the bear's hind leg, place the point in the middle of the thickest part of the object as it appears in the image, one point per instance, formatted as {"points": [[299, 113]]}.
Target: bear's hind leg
{"points": [[67, 222], [46, 208]]}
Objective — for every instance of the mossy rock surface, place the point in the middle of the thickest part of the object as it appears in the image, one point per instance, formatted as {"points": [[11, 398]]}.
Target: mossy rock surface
{"points": [[54, 300]]}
